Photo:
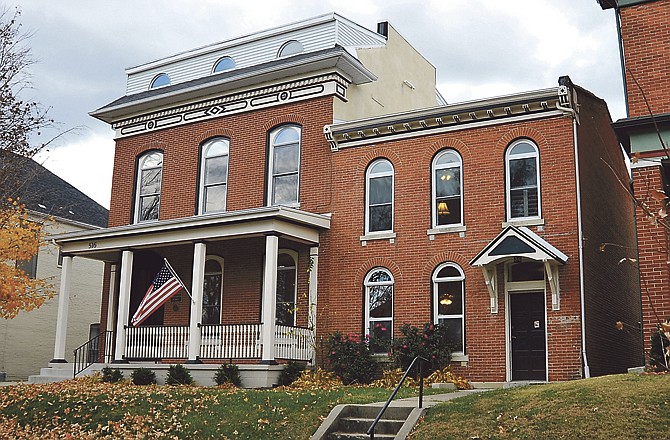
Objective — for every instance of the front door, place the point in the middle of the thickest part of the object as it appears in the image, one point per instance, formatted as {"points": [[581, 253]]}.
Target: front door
{"points": [[529, 353]]}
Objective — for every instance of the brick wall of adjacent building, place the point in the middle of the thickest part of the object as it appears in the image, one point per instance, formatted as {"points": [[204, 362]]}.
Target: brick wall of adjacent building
{"points": [[646, 42]]}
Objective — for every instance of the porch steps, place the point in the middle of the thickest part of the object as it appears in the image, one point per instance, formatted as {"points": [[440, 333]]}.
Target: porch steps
{"points": [[55, 372], [350, 422]]}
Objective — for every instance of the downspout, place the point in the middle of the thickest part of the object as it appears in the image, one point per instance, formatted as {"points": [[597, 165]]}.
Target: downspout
{"points": [[587, 369], [617, 15]]}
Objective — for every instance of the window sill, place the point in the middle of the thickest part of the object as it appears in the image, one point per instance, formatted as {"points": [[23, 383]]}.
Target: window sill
{"points": [[390, 236], [459, 357], [460, 229], [524, 222]]}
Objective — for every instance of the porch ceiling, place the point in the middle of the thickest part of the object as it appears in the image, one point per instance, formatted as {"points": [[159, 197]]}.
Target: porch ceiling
{"points": [[106, 244]]}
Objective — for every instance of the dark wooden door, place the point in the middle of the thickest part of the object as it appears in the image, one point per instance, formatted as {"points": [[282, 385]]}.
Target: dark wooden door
{"points": [[529, 353]]}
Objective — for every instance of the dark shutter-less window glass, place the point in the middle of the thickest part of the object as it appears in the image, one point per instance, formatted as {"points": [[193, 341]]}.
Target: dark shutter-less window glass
{"points": [[447, 189], [286, 289], [448, 303], [149, 186], [212, 292], [523, 180], [214, 185], [284, 180], [379, 313], [380, 197]]}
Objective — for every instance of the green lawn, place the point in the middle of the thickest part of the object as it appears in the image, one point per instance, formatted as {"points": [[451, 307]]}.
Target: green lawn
{"points": [[613, 407]]}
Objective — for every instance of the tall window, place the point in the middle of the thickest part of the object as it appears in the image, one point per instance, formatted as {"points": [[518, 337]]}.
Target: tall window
{"points": [[447, 189], [379, 309], [286, 288], [523, 180], [212, 291], [448, 300], [284, 166], [214, 175], [379, 197], [148, 191]]}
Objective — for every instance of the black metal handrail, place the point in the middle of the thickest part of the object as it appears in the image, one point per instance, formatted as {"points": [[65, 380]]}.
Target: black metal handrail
{"points": [[371, 429], [91, 352]]}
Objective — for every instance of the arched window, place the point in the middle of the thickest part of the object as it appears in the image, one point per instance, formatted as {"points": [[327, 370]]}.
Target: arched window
{"points": [[379, 309], [447, 189], [289, 48], [284, 166], [212, 295], [523, 180], [379, 197], [214, 175], [160, 80], [286, 287], [449, 302], [223, 64], [148, 190]]}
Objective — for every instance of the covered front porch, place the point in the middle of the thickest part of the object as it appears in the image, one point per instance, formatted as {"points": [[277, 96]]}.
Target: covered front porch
{"points": [[247, 298]]}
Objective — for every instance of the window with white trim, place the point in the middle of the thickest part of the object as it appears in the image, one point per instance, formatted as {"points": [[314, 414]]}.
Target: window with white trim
{"points": [[379, 309], [284, 166], [160, 80], [523, 180], [286, 287], [449, 303], [148, 186], [447, 189], [212, 295], [214, 175], [379, 197], [223, 64], [291, 47]]}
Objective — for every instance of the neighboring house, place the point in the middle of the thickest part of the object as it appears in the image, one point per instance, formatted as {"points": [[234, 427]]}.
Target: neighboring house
{"points": [[645, 56], [309, 179], [27, 341]]}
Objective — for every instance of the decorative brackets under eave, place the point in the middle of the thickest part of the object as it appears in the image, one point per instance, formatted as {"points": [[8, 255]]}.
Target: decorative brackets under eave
{"points": [[491, 284], [552, 277]]}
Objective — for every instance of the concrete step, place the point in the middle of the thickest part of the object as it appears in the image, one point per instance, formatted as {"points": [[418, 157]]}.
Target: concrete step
{"points": [[349, 422], [61, 372], [44, 378], [357, 436], [356, 424]]}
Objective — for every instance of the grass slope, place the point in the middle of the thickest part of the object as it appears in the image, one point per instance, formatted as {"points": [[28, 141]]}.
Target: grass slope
{"points": [[612, 407]]}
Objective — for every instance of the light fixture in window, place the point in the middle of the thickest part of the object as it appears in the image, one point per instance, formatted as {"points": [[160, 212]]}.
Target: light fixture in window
{"points": [[442, 208], [445, 177], [446, 300]]}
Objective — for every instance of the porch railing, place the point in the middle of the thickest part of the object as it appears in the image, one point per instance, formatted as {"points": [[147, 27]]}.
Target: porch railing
{"points": [[97, 349], [235, 341], [293, 343], [157, 342]]}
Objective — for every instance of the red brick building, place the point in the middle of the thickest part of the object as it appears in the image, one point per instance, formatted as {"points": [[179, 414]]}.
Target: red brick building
{"points": [[301, 182], [644, 30]]}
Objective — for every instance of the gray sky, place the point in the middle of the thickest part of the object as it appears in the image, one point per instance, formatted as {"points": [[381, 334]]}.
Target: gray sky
{"points": [[480, 48]]}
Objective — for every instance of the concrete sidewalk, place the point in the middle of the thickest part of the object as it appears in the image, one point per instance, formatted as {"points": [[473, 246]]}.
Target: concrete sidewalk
{"points": [[432, 399]]}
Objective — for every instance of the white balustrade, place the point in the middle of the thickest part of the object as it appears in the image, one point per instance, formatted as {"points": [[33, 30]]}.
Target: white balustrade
{"points": [[235, 341], [294, 343], [157, 342]]}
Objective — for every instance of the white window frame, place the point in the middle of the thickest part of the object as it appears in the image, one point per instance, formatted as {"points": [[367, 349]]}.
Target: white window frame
{"points": [[369, 175], [202, 208], [287, 44], [220, 261], [436, 281], [434, 169], [271, 174], [536, 155], [219, 61], [369, 321], [294, 256], [138, 185], [158, 76]]}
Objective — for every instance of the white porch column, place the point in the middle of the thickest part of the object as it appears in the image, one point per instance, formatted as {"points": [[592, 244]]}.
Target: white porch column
{"points": [[199, 253], [269, 298], [63, 305], [111, 297], [124, 304], [313, 289]]}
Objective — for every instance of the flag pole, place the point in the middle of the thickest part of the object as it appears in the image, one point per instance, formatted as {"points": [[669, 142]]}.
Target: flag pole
{"points": [[179, 279]]}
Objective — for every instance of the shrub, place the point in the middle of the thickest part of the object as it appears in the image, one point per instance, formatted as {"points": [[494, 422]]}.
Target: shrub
{"points": [[228, 373], [111, 375], [316, 379], [178, 375], [391, 378], [143, 376], [291, 372], [431, 342], [445, 375], [350, 358]]}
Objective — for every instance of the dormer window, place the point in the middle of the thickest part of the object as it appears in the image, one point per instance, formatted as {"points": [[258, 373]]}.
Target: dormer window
{"points": [[223, 64], [291, 47], [160, 80]]}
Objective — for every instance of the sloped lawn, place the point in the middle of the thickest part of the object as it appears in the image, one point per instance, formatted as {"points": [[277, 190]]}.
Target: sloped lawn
{"points": [[85, 409], [613, 407]]}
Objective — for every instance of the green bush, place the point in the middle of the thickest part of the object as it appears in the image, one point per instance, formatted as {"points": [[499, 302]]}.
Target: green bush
{"points": [[431, 342], [292, 370], [351, 359], [228, 373], [111, 375], [143, 376], [178, 375]]}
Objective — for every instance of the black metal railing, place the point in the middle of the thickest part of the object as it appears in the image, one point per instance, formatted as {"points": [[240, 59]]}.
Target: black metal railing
{"points": [[97, 349], [421, 360]]}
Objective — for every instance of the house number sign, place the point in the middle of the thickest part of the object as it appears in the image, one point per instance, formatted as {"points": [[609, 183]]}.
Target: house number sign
{"points": [[92, 244], [536, 324]]}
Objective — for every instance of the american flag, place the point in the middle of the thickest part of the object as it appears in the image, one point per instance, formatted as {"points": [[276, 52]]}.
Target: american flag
{"points": [[165, 285]]}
